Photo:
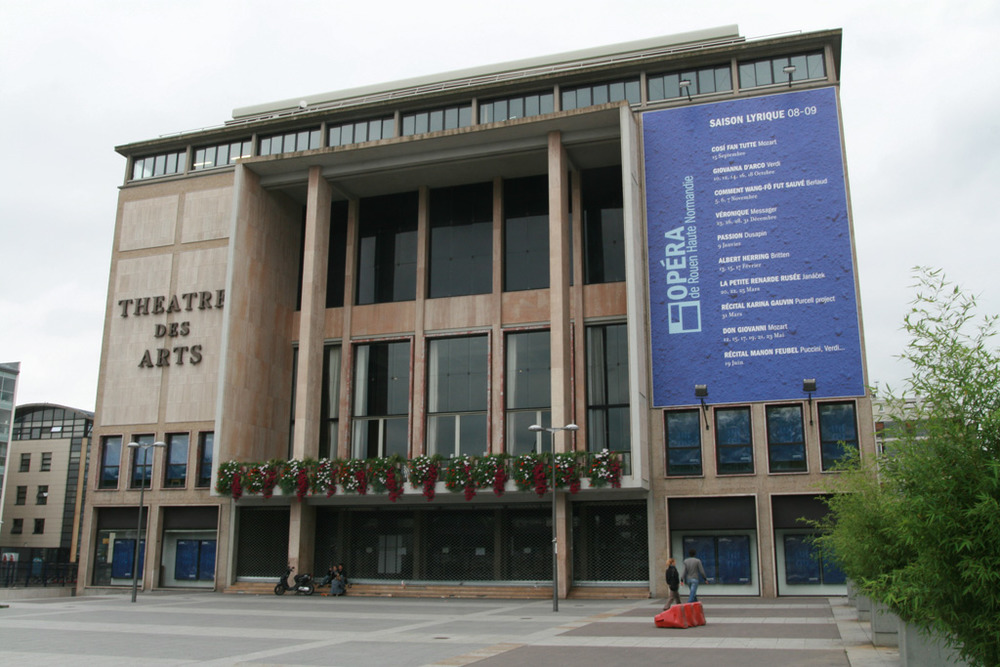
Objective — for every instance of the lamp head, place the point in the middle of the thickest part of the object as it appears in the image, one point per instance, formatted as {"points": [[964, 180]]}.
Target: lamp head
{"points": [[701, 390], [809, 385]]}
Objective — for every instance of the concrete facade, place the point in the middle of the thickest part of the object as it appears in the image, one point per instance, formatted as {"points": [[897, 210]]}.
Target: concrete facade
{"points": [[217, 323]]}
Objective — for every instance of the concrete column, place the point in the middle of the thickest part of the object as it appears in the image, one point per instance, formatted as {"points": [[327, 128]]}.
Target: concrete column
{"points": [[301, 536], [765, 547], [560, 334], [309, 374]]}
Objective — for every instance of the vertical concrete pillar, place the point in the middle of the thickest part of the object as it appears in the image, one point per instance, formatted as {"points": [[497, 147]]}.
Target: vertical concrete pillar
{"points": [[418, 388], [560, 334], [765, 546], [309, 374]]}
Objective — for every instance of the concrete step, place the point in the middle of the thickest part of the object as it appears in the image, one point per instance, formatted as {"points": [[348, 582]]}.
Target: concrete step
{"points": [[461, 591]]}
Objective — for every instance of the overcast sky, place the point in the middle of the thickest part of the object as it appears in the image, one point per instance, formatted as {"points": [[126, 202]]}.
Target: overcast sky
{"points": [[920, 96]]}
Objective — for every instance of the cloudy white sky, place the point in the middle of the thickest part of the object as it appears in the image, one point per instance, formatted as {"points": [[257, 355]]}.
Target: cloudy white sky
{"points": [[920, 96]]}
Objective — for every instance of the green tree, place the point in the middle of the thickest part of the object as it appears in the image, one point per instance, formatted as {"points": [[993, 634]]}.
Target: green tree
{"points": [[920, 531]]}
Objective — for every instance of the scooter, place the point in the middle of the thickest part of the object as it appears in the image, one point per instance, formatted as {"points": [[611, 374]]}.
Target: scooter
{"points": [[303, 583]]}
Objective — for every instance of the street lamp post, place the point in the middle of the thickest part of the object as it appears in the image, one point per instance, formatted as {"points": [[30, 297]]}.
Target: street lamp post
{"points": [[141, 447], [555, 535]]}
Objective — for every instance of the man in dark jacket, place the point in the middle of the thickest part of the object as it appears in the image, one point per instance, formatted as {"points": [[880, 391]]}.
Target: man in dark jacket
{"points": [[673, 583]]}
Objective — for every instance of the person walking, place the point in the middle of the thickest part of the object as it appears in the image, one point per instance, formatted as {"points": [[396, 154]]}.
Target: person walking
{"points": [[694, 572], [673, 583]]}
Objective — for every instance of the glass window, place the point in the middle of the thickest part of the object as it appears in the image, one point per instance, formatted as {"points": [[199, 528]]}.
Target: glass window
{"points": [[39, 527], [221, 155], [291, 142], [786, 447], [435, 120], [330, 409], [616, 91], [526, 233], [457, 396], [387, 249], [603, 226], [805, 565], [111, 456], [42, 496], [523, 106], [158, 165], [838, 432], [142, 461], [22, 495], [702, 81], [682, 433], [528, 391], [733, 441], [461, 252], [726, 558], [607, 388], [17, 527], [25, 462], [46, 462], [336, 261], [206, 453], [361, 131], [381, 400], [177, 456], [767, 71]]}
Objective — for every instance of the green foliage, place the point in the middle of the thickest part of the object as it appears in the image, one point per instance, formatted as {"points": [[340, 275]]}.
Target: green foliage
{"points": [[921, 533]]}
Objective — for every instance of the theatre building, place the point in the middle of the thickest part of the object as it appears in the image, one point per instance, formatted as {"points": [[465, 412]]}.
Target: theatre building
{"points": [[332, 322]]}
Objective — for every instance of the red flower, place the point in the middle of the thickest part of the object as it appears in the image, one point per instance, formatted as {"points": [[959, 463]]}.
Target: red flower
{"points": [[301, 485], [237, 487]]}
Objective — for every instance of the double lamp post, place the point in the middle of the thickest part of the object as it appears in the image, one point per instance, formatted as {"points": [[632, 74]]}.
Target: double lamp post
{"points": [[555, 535], [147, 476]]}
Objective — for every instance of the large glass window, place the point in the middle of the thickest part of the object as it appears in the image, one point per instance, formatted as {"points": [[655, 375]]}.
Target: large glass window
{"points": [[22, 495], [733, 441], [387, 249], [164, 164], [726, 558], [768, 71], [221, 155], [607, 388], [336, 259], [805, 564], [603, 226], [381, 400], [838, 432], [526, 233], [142, 461], [435, 120], [682, 433], [522, 106], [457, 396], [461, 255], [702, 81], [330, 408], [602, 93], [111, 456], [291, 142], [786, 447], [177, 457], [528, 391], [206, 453], [361, 131]]}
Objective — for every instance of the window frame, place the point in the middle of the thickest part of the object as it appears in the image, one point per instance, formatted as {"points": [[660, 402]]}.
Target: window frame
{"points": [[607, 378], [42, 495], [829, 463], [206, 459], [21, 497], [688, 413], [369, 420], [39, 527], [46, 463], [442, 410], [17, 526], [175, 467], [772, 444], [460, 252], [25, 465], [720, 446], [103, 481], [530, 405], [141, 468]]}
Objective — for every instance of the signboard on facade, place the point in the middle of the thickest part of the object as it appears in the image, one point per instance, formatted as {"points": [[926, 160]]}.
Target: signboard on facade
{"points": [[751, 271]]}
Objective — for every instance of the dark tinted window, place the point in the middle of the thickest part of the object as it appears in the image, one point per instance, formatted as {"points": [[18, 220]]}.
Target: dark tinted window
{"points": [[387, 249], [603, 226], [526, 233], [461, 256]]}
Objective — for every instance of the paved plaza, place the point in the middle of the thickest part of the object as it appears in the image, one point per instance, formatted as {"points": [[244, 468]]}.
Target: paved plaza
{"points": [[215, 629]]}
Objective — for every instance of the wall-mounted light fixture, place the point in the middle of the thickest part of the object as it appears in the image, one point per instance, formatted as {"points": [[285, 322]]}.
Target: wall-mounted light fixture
{"points": [[701, 391], [685, 85], [809, 386], [789, 70]]}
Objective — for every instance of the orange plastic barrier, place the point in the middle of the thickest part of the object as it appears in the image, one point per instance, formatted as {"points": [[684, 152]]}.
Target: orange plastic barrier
{"points": [[672, 618], [695, 614]]}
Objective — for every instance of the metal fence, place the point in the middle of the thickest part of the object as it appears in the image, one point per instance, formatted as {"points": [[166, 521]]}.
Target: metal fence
{"points": [[37, 574], [262, 542], [610, 543]]}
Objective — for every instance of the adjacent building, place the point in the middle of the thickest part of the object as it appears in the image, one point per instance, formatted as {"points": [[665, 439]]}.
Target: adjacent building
{"points": [[652, 241]]}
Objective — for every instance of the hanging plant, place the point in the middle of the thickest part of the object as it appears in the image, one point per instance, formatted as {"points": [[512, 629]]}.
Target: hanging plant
{"points": [[327, 474], [354, 476], [384, 475], [458, 476], [424, 471], [568, 472], [531, 473], [605, 469], [490, 471], [228, 472], [237, 486]]}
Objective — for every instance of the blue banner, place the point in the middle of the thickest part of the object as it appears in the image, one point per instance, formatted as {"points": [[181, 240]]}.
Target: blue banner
{"points": [[751, 269]]}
